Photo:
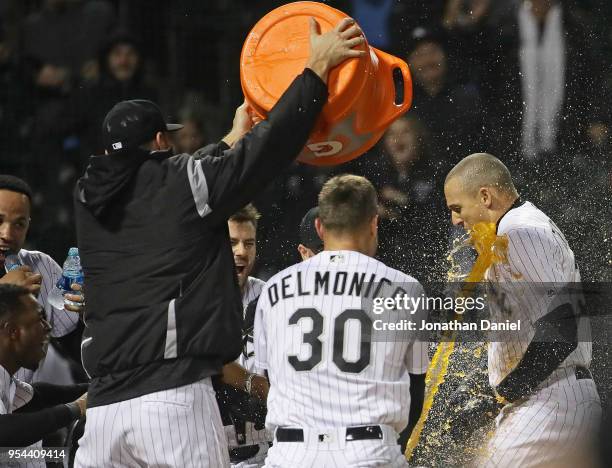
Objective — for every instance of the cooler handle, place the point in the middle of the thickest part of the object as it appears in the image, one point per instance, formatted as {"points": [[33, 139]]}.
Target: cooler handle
{"points": [[399, 83]]}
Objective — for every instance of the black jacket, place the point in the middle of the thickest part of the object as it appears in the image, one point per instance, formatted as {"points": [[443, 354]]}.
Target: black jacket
{"points": [[163, 303]]}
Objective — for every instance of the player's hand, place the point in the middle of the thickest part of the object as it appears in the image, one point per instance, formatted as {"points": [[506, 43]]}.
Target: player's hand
{"points": [[75, 302], [251, 409], [243, 122], [24, 277], [82, 403], [255, 119], [334, 47]]}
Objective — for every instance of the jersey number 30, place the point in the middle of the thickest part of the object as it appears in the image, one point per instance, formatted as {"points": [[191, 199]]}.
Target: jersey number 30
{"points": [[313, 339]]}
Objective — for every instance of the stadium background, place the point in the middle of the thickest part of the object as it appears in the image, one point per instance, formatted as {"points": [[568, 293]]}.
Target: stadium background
{"points": [[56, 86]]}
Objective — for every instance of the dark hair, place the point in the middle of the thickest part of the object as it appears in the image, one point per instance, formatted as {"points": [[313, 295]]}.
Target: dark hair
{"points": [[245, 214], [347, 202], [9, 299], [15, 184]]}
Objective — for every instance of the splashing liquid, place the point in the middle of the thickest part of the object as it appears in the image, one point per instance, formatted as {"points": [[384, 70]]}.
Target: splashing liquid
{"points": [[491, 249]]}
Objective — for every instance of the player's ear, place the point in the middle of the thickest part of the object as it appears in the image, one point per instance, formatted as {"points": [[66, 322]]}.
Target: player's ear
{"points": [[374, 225], [161, 140], [303, 250], [484, 194], [12, 331], [319, 227]]}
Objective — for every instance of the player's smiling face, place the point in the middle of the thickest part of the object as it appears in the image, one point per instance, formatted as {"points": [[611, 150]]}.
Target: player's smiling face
{"points": [[466, 210], [31, 337], [14, 222], [242, 238]]}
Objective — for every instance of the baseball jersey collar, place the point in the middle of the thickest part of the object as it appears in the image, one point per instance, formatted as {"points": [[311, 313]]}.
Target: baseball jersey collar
{"points": [[518, 202]]}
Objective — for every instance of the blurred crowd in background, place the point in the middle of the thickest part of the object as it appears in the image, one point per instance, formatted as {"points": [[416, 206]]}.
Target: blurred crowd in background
{"points": [[528, 81]]}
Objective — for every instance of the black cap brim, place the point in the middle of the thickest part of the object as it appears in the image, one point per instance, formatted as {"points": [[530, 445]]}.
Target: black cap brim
{"points": [[173, 127], [308, 233]]}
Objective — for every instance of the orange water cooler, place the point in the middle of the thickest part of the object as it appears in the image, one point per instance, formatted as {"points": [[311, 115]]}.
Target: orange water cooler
{"points": [[365, 94]]}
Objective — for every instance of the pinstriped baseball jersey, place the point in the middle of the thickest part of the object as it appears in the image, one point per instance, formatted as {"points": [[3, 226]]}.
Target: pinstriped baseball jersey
{"points": [[13, 395], [314, 338], [529, 285], [62, 322], [252, 290]]}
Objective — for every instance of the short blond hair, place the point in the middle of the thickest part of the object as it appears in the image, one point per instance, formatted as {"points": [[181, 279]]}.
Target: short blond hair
{"points": [[482, 170]]}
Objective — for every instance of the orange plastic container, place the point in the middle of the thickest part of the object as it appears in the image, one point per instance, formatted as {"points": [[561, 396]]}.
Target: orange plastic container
{"points": [[365, 94]]}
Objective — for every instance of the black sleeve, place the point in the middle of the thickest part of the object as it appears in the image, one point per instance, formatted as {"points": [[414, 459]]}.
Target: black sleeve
{"points": [[70, 344], [214, 150], [240, 173], [46, 395], [417, 395], [23, 429], [554, 340]]}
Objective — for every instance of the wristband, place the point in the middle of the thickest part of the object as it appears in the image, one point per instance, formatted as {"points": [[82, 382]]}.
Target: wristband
{"points": [[248, 384]]}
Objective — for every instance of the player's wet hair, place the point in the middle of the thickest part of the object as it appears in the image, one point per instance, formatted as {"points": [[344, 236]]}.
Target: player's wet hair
{"points": [[15, 184], [245, 214], [10, 303], [347, 202], [482, 170]]}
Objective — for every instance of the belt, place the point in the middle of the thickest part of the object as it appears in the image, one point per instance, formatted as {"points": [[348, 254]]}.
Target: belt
{"points": [[285, 434], [583, 373]]}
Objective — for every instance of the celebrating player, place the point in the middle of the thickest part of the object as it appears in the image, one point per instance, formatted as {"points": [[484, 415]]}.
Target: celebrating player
{"points": [[240, 411], [337, 397], [550, 398], [39, 272]]}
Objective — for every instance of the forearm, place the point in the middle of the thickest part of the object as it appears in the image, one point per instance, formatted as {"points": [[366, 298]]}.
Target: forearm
{"points": [[553, 342], [23, 429], [47, 395], [236, 376]]}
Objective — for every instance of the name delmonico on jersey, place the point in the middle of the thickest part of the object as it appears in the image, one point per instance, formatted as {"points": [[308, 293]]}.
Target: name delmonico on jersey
{"points": [[340, 283]]}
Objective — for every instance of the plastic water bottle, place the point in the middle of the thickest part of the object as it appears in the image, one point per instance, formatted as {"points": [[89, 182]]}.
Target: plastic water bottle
{"points": [[11, 262], [71, 273]]}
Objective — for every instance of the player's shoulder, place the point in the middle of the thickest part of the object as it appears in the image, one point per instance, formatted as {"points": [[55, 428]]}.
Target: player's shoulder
{"points": [[524, 219], [398, 276], [252, 289], [36, 257]]}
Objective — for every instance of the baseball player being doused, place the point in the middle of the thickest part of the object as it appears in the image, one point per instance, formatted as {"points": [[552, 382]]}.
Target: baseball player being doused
{"points": [[339, 395], [540, 373]]}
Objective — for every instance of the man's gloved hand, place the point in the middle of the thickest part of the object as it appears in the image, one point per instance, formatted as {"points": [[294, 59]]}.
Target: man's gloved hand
{"points": [[241, 406]]}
